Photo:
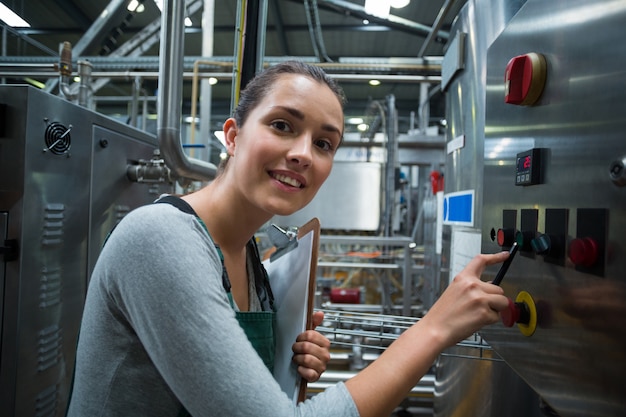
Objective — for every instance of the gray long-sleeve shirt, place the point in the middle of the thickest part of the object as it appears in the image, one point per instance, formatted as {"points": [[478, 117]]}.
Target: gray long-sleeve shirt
{"points": [[158, 333]]}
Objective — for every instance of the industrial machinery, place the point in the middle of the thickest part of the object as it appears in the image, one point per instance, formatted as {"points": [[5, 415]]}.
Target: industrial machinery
{"points": [[67, 176], [557, 188], [550, 169], [534, 157]]}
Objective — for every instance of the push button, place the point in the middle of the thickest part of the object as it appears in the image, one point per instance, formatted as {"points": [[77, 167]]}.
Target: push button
{"points": [[524, 240], [541, 244], [515, 313], [548, 245], [588, 248], [505, 237], [521, 311], [583, 252]]}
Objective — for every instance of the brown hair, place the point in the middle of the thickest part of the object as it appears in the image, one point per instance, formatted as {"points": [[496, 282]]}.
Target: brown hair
{"points": [[256, 90], [258, 87]]}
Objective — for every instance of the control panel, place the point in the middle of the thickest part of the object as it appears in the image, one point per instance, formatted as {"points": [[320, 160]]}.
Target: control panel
{"points": [[554, 183], [585, 250]]}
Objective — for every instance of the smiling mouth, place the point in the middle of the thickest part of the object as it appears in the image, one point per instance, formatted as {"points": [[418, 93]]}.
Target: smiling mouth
{"points": [[287, 180]]}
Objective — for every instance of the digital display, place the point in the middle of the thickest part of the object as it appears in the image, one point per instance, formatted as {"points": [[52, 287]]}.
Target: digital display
{"points": [[524, 163], [528, 167]]}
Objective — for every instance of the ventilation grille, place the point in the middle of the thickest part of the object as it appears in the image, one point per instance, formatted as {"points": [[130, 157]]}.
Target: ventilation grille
{"points": [[58, 139]]}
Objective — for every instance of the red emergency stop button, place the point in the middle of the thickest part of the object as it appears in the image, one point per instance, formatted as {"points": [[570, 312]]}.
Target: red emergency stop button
{"points": [[516, 312], [521, 311], [525, 77], [583, 251], [510, 315]]}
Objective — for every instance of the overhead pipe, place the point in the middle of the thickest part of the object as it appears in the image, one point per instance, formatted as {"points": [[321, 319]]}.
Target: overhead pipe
{"points": [[65, 70], [171, 56], [443, 12], [14, 71], [194, 93]]}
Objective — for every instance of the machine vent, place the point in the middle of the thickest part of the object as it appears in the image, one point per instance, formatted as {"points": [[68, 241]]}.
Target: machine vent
{"points": [[49, 347], [58, 139], [47, 402]]}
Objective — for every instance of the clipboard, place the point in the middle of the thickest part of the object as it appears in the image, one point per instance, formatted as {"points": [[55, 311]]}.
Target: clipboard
{"points": [[292, 278]]}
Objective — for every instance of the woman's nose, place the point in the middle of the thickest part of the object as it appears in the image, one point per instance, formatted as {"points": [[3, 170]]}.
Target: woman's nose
{"points": [[301, 151]]}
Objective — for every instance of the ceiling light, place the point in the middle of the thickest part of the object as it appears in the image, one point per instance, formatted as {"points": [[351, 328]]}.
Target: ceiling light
{"points": [[188, 22], [399, 4], [36, 83], [212, 80], [374, 82], [9, 17], [132, 5], [379, 8], [354, 120], [135, 7]]}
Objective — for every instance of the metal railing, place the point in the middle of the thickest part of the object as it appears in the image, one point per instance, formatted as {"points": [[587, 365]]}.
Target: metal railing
{"points": [[354, 329]]}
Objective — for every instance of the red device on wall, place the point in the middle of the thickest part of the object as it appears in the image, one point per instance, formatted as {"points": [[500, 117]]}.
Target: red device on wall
{"points": [[524, 79]]}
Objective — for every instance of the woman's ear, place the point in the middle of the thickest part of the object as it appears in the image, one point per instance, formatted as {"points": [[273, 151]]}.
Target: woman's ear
{"points": [[230, 134]]}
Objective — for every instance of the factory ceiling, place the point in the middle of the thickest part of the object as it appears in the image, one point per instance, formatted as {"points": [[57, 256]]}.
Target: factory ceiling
{"points": [[403, 50]]}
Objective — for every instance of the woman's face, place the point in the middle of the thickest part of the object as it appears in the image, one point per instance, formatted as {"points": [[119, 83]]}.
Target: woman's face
{"points": [[284, 152]]}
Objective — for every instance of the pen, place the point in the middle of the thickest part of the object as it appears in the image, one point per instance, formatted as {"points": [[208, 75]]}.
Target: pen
{"points": [[505, 265]]}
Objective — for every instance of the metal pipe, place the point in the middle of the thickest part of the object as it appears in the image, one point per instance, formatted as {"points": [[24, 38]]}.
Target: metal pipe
{"points": [[435, 29], [65, 70], [424, 111], [134, 103], [170, 96], [144, 113], [391, 165], [151, 63], [219, 75], [127, 75], [194, 92], [85, 92], [206, 88]]}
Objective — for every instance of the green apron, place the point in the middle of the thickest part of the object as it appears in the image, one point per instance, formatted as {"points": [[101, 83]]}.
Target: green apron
{"points": [[257, 325]]}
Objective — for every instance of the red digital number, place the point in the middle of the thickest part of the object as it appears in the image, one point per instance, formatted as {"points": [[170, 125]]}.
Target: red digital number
{"points": [[527, 162]]}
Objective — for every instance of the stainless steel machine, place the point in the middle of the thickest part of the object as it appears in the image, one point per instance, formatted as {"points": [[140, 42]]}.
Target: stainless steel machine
{"points": [[67, 176], [555, 104], [551, 171]]}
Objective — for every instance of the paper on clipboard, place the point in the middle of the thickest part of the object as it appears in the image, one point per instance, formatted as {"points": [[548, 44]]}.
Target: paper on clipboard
{"points": [[292, 278]]}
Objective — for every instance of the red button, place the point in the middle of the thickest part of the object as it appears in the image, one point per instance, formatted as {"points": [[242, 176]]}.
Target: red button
{"points": [[583, 251], [505, 237], [510, 315]]}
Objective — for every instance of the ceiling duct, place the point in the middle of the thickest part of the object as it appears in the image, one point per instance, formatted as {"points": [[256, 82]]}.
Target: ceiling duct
{"points": [[170, 96]]}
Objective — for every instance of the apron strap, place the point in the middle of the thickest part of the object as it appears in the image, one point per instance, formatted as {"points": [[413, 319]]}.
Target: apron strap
{"points": [[183, 206]]}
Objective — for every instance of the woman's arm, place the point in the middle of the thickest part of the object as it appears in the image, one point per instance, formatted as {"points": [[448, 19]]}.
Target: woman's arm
{"points": [[467, 305]]}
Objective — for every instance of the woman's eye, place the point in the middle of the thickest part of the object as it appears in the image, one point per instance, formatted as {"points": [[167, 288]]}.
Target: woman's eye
{"points": [[281, 125], [324, 145]]}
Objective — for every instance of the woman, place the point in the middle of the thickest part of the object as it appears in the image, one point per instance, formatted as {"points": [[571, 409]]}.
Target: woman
{"points": [[160, 334]]}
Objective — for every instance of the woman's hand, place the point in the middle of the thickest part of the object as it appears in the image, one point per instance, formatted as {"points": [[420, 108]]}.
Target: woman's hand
{"points": [[312, 351], [468, 303]]}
